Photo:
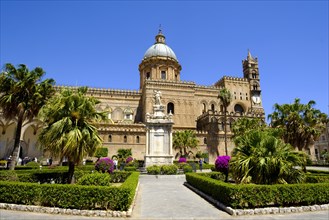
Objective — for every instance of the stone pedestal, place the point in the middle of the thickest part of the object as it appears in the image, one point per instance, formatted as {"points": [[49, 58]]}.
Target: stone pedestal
{"points": [[158, 137]]}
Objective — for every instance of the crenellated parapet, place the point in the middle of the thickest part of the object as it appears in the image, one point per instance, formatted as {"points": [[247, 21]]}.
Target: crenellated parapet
{"points": [[230, 79], [103, 91], [121, 127], [169, 83]]}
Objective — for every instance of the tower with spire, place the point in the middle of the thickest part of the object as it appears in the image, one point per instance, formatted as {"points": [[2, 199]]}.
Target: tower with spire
{"points": [[251, 72]]}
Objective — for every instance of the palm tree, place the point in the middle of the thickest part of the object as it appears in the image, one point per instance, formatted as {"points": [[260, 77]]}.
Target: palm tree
{"points": [[185, 140], [301, 124], [262, 158], [244, 124], [225, 98], [70, 132], [22, 94]]}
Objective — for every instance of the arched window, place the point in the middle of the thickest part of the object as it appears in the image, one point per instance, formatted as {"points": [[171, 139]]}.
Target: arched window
{"points": [[163, 75], [222, 125], [125, 139], [238, 108], [128, 114], [137, 139], [204, 107], [110, 138], [170, 108], [212, 107], [148, 75], [205, 140]]}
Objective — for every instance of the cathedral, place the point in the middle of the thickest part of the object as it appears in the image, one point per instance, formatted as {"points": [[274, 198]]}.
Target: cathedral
{"points": [[192, 106]]}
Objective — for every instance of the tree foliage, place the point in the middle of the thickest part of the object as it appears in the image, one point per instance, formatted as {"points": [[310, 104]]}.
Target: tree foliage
{"points": [[244, 124], [70, 131], [101, 152], [22, 94], [184, 141], [261, 157], [225, 98], [301, 124], [123, 154]]}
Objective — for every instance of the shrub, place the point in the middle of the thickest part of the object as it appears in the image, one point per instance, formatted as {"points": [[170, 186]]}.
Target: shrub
{"points": [[163, 169], [187, 168], [252, 196], [119, 176], [130, 168], [95, 179], [90, 162], [9, 175], [222, 163], [153, 170], [79, 173], [317, 178], [33, 164], [70, 195], [182, 160], [168, 169], [104, 165], [129, 159], [23, 168]]}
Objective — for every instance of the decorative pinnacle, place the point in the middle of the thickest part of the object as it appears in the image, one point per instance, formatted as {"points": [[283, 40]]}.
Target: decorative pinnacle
{"points": [[160, 38], [160, 29]]}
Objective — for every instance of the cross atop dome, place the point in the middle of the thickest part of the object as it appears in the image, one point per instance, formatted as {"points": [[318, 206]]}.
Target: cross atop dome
{"points": [[160, 38]]}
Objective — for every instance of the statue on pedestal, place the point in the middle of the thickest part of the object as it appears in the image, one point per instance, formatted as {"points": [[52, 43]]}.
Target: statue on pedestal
{"points": [[157, 97]]}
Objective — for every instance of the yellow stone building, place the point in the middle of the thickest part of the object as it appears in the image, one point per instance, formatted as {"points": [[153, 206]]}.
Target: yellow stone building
{"points": [[193, 106]]}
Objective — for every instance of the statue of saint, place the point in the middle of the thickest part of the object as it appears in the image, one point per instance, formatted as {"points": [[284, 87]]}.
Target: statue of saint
{"points": [[157, 96]]}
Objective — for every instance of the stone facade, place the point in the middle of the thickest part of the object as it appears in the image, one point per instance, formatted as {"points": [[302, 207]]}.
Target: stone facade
{"points": [[192, 106]]}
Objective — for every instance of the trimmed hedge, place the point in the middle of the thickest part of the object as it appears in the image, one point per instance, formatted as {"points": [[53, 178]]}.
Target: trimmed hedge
{"points": [[56, 175], [71, 196], [162, 169], [317, 178], [253, 196]]}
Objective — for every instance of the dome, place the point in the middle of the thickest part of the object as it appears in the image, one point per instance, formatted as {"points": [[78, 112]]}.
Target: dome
{"points": [[160, 48]]}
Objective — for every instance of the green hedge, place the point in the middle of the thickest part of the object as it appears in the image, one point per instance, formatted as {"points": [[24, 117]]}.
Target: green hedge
{"points": [[162, 169], [56, 175], [252, 196], [317, 178], [71, 196]]}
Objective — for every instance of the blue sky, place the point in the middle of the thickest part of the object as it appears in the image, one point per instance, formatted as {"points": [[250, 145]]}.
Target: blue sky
{"points": [[101, 43]]}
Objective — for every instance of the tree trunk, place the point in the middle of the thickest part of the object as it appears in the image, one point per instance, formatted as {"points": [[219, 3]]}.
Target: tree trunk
{"points": [[225, 131], [71, 172], [20, 118]]}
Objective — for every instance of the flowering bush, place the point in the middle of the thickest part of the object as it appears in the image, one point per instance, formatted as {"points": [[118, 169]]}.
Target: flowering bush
{"points": [[129, 159], [222, 163], [182, 160], [104, 165]]}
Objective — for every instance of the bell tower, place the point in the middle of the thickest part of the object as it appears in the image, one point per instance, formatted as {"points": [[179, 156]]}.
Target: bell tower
{"points": [[251, 72], [159, 62]]}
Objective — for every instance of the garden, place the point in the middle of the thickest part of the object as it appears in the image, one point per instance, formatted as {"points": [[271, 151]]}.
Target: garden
{"points": [[96, 187]]}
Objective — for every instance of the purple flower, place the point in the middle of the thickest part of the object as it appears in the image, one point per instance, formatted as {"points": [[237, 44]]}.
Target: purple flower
{"points": [[222, 163], [104, 165], [182, 160], [129, 159]]}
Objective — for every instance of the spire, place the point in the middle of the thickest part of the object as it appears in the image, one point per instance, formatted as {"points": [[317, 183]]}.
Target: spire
{"points": [[160, 29], [160, 38], [249, 57]]}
